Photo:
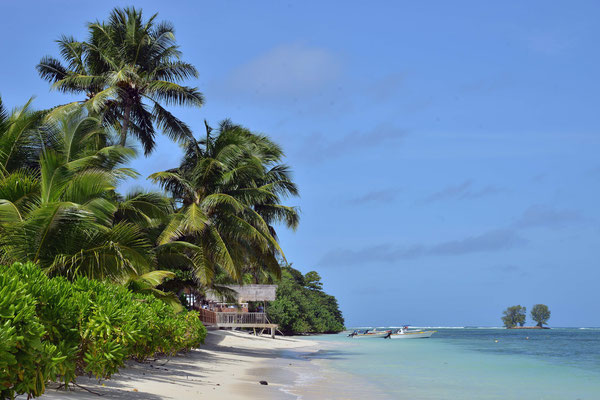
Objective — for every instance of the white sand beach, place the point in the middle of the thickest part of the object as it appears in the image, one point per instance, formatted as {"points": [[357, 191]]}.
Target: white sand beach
{"points": [[229, 366]]}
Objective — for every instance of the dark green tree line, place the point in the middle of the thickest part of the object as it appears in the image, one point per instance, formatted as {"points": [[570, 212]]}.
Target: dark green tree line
{"points": [[302, 306]]}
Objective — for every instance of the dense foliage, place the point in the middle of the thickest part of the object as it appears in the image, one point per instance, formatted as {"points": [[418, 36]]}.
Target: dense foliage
{"points": [[58, 205], [54, 329], [514, 316], [540, 314], [301, 305], [230, 185]]}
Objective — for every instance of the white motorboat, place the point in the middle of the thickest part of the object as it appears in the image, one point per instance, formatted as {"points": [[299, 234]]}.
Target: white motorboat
{"points": [[405, 333], [369, 334]]}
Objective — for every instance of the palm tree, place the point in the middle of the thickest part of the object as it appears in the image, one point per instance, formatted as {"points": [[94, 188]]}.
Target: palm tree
{"points": [[62, 214], [19, 138], [229, 187], [128, 68]]}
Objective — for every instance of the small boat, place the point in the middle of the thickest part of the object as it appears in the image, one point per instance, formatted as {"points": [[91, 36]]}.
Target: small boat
{"points": [[404, 333], [369, 334]]}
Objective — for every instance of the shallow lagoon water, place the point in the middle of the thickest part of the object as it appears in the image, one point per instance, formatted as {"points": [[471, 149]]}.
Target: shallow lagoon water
{"points": [[475, 363]]}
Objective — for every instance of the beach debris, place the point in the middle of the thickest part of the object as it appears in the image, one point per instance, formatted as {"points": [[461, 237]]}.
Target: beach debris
{"points": [[263, 382], [86, 389]]}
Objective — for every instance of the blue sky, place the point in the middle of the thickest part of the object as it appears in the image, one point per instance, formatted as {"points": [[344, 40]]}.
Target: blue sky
{"points": [[446, 152]]}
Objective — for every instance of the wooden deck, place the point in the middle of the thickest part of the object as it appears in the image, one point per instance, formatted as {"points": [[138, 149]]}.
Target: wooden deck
{"points": [[253, 320]]}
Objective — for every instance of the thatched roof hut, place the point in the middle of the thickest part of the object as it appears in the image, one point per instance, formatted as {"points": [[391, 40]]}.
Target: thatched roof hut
{"points": [[246, 293]]}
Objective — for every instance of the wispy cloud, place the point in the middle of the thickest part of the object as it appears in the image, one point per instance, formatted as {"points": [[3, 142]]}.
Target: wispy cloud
{"points": [[542, 216], [491, 241], [287, 70], [464, 190], [375, 196], [495, 240], [449, 192], [318, 147]]}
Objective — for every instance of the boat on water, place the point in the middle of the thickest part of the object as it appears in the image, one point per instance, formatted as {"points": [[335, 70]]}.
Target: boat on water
{"points": [[369, 334], [405, 333]]}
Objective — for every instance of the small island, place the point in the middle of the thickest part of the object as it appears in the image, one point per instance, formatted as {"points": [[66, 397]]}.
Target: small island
{"points": [[527, 327], [514, 317]]}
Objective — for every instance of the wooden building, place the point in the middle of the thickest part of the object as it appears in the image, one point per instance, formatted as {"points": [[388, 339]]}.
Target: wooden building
{"points": [[220, 312]]}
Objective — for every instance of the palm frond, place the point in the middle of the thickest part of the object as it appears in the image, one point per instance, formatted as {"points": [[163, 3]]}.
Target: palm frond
{"points": [[51, 69], [173, 94], [170, 125]]}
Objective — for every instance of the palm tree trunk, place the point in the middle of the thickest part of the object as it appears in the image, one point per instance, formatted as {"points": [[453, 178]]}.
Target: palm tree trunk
{"points": [[125, 124]]}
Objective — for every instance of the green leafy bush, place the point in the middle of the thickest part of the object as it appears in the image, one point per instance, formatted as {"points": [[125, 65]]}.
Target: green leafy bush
{"points": [[301, 306], [26, 360], [54, 329]]}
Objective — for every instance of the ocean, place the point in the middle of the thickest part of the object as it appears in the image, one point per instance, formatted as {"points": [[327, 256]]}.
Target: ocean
{"points": [[472, 363]]}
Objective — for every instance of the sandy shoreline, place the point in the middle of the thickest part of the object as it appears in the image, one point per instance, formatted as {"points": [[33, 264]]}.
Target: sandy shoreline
{"points": [[229, 366]]}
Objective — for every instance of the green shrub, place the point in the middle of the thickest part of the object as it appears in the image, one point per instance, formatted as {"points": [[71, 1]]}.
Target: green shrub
{"points": [[54, 329], [26, 360]]}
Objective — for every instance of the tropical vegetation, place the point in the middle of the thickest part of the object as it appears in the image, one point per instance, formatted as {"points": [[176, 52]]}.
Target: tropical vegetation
{"points": [[60, 169], [540, 313], [56, 328], [128, 69], [229, 187], [90, 276], [301, 305], [514, 316]]}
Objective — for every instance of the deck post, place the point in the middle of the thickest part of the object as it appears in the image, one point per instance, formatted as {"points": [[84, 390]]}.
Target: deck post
{"points": [[272, 333]]}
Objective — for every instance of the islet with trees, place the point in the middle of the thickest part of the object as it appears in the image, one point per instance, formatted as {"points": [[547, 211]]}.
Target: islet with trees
{"points": [[514, 317]]}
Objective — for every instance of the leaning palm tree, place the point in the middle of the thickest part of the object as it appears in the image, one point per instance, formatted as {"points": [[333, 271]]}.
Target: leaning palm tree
{"points": [[128, 69], [222, 183], [61, 214]]}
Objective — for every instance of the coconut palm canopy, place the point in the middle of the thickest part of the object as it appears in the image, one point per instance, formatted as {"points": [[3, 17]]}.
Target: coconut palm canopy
{"points": [[60, 169], [64, 213], [229, 188], [61, 211], [128, 68]]}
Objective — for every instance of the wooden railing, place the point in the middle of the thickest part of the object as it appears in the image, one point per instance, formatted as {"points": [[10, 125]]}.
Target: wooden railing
{"points": [[233, 319], [207, 316], [236, 318]]}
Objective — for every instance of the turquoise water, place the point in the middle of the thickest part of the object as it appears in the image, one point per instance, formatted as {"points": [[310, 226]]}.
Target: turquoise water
{"points": [[562, 363]]}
